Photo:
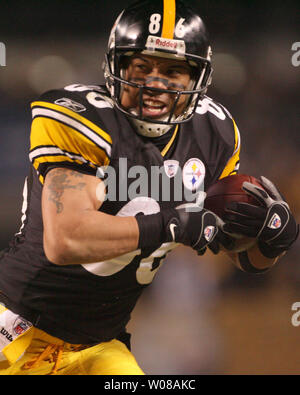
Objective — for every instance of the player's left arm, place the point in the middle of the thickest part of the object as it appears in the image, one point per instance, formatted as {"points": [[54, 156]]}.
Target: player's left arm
{"points": [[261, 256], [272, 224]]}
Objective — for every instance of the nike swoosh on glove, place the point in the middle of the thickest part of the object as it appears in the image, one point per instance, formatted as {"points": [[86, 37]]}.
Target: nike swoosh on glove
{"points": [[272, 223]]}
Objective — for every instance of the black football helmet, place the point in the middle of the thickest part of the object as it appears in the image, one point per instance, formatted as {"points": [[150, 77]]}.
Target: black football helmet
{"points": [[164, 28]]}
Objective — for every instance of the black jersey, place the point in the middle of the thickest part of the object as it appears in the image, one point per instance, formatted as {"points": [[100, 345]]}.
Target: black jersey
{"points": [[79, 128]]}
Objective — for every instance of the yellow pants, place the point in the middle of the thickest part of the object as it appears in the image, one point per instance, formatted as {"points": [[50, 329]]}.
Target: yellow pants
{"points": [[48, 355]]}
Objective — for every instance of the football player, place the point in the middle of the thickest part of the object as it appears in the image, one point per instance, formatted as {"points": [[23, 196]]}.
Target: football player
{"points": [[75, 270]]}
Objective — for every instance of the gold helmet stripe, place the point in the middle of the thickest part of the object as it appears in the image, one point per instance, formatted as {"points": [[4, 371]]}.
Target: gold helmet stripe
{"points": [[169, 19]]}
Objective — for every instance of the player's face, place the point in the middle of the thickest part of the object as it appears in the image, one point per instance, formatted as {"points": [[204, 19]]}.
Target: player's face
{"points": [[155, 72]]}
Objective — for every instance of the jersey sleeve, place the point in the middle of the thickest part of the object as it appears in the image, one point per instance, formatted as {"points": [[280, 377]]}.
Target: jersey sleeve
{"points": [[233, 164], [62, 135]]}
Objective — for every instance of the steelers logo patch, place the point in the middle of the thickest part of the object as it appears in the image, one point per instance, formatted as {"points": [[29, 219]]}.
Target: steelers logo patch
{"points": [[193, 174]]}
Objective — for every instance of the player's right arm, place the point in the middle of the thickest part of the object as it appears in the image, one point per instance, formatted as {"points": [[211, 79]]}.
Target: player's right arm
{"points": [[68, 142], [75, 232]]}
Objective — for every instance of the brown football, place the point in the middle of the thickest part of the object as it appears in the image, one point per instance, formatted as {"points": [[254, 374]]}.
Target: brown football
{"points": [[229, 189]]}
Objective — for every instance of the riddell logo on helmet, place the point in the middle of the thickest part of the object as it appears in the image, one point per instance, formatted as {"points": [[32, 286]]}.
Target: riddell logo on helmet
{"points": [[166, 43], [154, 42]]}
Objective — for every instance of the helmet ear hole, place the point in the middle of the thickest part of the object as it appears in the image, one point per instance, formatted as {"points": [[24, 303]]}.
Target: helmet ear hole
{"points": [[124, 62]]}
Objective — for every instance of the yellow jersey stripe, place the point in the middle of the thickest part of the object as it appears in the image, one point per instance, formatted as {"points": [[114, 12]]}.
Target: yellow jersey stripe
{"points": [[168, 146], [53, 159], [49, 133], [45, 113], [236, 136], [47, 151], [75, 116], [169, 19], [232, 165]]}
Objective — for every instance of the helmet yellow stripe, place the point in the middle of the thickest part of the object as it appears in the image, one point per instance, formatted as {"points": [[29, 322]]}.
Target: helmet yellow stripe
{"points": [[169, 19]]}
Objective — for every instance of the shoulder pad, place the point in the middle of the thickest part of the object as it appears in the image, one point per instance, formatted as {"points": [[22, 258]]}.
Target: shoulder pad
{"points": [[67, 127], [79, 98], [221, 125], [221, 121]]}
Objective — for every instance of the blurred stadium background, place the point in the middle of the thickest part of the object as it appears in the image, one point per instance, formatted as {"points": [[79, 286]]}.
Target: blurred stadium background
{"points": [[200, 316]]}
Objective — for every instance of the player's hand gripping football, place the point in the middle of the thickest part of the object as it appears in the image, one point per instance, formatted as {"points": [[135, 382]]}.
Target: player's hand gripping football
{"points": [[197, 229], [272, 223]]}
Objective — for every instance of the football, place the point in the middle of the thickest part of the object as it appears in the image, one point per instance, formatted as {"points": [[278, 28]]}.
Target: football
{"points": [[227, 190]]}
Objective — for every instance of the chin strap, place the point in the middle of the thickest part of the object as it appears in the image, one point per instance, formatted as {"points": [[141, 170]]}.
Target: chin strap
{"points": [[148, 129]]}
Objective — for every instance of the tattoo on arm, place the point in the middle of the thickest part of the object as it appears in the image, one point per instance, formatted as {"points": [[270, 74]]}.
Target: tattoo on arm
{"points": [[60, 180]]}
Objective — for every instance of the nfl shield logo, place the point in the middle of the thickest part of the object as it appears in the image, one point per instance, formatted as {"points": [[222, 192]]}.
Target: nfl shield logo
{"points": [[21, 326], [209, 231], [171, 167], [275, 222]]}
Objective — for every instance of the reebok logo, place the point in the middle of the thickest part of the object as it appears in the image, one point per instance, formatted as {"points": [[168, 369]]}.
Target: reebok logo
{"points": [[71, 104]]}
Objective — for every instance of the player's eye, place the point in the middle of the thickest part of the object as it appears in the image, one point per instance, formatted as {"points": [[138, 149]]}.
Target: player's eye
{"points": [[174, 72], [141, 67]]}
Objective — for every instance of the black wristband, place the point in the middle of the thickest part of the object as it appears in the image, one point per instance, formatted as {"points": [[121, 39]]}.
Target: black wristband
{"points": [[154, 228], [247, 266], [151, 230]]}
